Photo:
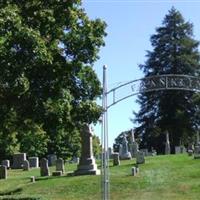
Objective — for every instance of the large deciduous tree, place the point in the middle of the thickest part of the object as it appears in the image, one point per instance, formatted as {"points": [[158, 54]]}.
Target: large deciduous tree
{"points": [[47, 84], [175, 51]]}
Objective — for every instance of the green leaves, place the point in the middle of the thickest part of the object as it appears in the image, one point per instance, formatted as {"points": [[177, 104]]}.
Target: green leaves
{"points": [[46, 52]]}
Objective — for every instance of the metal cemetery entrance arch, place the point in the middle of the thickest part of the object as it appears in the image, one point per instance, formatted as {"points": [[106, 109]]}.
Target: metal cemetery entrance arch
{"points": [[131, 88]]}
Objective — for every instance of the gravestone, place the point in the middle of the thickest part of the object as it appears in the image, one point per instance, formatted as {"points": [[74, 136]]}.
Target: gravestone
{"points": [[110, 152], [153, 152], [6, 163], [191, 146], [44, 168], [87, 164], [183, 149], [124, 154], [34, 162], [51, 159], [177, 149], [145, 151], [26, 165], [167, 144], [60, 165], [197, 152], [18, 160], [140, 158], [32, 178], [3, 172], [134, 145], [116, 160], [133, 171], [190, 152]]}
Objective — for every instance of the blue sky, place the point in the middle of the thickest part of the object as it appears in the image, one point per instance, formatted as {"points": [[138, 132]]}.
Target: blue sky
{"points": [[130, 25]]}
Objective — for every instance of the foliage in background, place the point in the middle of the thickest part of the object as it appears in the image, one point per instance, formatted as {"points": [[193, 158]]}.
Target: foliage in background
{"points": [[47, 84], [174, 52], [96, 145]]}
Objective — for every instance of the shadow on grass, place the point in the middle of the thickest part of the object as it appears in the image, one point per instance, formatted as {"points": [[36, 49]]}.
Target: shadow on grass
{"points": [[55, 177], [11, 192]]}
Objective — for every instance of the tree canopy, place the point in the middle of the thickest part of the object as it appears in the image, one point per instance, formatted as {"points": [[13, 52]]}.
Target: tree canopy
{"points": [[47, 83], [175, 51]]}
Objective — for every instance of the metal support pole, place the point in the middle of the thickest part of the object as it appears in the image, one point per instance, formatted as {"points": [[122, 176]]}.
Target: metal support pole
{"points": [[105, 155]]}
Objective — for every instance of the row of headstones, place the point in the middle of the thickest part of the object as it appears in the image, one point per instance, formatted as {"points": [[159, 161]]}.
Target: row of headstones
{"points": [[20, 161], [192, 150], [140, 158], [125, 154], [44, 168]]}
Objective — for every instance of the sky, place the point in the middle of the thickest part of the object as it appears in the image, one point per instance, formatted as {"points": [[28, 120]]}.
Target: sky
{"points": [[130, 23]]}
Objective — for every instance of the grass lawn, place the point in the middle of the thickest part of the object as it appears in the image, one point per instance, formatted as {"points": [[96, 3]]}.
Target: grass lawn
{"points": [[172, 177]]}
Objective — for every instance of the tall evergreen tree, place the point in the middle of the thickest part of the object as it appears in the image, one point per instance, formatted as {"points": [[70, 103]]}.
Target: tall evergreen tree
{"points": [[174, 52], [47, 84]]}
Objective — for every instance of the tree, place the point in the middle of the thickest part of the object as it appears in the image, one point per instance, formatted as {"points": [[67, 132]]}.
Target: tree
{"points": [[47, 49], [96, 145], [174, 52]]}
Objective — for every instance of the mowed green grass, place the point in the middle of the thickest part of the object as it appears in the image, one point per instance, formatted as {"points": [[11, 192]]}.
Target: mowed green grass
{"points": [[172, 177]]}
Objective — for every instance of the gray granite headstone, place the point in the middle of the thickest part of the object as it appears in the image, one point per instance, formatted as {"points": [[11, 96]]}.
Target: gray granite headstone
{"points": [[87, 164], [140, 158], [124, 154], [197, 152], [26, 165], [60, 165], [18, 160], [44, 168], [6, 163], [110, 152], [34, 162], [116, 160], [3, 172], [177, 149]]}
